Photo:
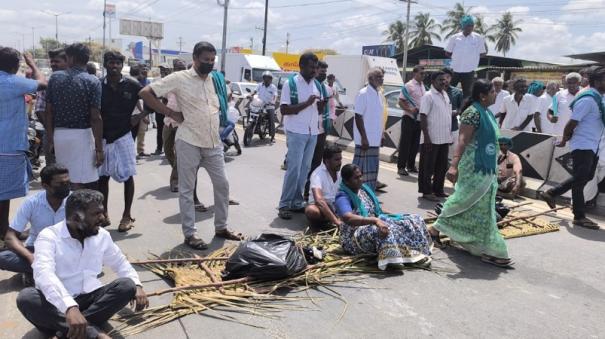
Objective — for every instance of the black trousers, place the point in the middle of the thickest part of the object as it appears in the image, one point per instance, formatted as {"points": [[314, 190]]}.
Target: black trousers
{"points": [[317, 159], [433, 166], [97, 307], [467, 80], [584, 167], [408, 142], [159, 121]]}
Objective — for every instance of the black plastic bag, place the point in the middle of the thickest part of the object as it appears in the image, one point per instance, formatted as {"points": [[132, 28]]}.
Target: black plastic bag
{"points": [[268, 257]]}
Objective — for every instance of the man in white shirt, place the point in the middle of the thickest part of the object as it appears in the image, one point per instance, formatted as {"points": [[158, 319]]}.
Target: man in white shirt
{"points": [[300, 105], [369, 126], [202, 96], [544, 103], [40, 210], [325, 182], [436, 125], [518, 109], [560, 113], [501, 93], [267, 92], [465, 49], [69, 300]]}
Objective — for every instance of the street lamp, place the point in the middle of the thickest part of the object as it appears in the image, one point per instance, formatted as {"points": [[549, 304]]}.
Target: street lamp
{"points": [[56, 21]]}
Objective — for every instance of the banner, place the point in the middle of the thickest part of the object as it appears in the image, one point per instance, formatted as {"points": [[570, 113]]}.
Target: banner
{"points": [[379, 50]]}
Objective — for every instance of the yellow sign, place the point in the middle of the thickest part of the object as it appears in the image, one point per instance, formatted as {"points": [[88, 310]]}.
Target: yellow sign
{"points": [[289, 62], [543, 76]]}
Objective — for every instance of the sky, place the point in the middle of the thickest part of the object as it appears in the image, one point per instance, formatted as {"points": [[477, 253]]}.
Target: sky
{"points": [[551, 28]]}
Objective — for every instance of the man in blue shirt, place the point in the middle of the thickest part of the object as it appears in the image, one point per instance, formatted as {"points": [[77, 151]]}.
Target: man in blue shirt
{"points": [[74, 126], [41, 210], [583, 131], [15, 168]]}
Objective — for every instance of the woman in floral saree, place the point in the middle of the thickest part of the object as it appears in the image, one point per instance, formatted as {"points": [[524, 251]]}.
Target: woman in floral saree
{"points": [[397, 239], [468, 217]]}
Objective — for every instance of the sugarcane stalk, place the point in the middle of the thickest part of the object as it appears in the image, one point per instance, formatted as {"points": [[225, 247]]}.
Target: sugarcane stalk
{"points": [[519, 205], [507, 221], [179, 260], [211, 275]]}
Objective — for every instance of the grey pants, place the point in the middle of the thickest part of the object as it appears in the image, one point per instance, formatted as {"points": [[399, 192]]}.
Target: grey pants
{"points": [[97, 307], [189, 159]]}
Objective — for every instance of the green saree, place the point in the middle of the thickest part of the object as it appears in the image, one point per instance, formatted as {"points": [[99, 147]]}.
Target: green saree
{"points": [[468, 216]]}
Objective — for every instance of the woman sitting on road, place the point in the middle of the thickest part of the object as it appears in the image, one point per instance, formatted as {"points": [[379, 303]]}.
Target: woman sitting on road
{"points": [[397, 239], [468, 217]]}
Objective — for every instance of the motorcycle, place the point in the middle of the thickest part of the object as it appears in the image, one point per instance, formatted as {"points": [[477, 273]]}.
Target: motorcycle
{"points": [[229, 135], [35, 134], [258, 121]]}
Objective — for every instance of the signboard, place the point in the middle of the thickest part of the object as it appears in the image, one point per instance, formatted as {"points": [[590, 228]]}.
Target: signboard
{"points": [[289, 62], [435, 62], [110, 10], [379, 50], [539, 75], [148, 29]]}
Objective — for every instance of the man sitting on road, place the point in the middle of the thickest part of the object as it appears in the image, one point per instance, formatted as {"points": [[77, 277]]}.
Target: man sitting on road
{"points": [[510, 170], [69, 300], [40, 210], [325, 181]]}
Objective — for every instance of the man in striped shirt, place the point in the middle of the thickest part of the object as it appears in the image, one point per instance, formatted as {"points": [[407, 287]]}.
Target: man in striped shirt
{"points": [[436, 124]]}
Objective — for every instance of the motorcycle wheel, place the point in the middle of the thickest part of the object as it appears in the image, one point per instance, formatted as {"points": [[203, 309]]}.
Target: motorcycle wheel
{"points": [[263, 128], [248, 133], [236, 143]]}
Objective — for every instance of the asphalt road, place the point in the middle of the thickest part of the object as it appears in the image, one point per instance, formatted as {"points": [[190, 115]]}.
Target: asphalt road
{"points": [[557, 289]]}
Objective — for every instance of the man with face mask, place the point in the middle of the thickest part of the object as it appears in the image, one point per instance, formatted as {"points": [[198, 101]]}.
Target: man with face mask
{"points": [[69, 300], [40, 210], [58, 62], [202, 97]]}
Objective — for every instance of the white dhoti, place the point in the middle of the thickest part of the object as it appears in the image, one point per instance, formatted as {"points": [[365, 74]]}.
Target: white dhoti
{"points": [[75, 149], [120, 159]]}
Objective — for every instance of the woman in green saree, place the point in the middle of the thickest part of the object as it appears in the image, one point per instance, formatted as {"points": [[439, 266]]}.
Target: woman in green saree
{"points": [[468, 217]]}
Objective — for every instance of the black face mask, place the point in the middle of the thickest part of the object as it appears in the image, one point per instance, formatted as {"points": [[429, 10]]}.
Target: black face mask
{"points": [[205, 68], [61, 192], [321, 77]]}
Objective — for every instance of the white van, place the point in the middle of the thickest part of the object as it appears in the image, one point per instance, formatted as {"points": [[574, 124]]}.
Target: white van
{"points": [[247, 67]]}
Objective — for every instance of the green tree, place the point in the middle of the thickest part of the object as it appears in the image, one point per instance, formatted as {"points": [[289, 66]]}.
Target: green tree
{"points": [[506, 32], [396, 34], [423, 29], [451, 24]]}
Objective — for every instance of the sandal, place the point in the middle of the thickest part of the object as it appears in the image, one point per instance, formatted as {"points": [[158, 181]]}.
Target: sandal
{"points": [[586, 223], [229, 235], [199, 207], [549, 199], [126, 224], [437, 240], [284, 214], [233, 202], [196, 243], [500, 262]]}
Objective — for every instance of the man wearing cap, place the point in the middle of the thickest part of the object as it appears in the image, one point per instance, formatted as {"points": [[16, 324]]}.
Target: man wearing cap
{"points": [[465, 48], [267, 92]]}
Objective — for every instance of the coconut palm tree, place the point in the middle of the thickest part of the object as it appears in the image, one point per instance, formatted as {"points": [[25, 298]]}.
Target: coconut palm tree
{"points": [[506, 32], [396, 34], [422, 30], [451, 24]]}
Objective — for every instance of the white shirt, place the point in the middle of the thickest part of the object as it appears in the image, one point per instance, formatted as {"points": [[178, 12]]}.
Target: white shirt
{"points": [[268, 94], [64, 269], [495, 108], [370, 106], [544, 102], [438, 110], [517, 113], [307, 120], [466, 51], [36, 211], [321, 178], [564, 98]]}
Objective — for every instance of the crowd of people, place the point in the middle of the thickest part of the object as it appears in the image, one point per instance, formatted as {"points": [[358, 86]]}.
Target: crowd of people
{"points": [[95, 128]]}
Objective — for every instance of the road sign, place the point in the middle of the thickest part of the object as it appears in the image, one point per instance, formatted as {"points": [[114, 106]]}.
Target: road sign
{"points": [[148, 29], [379, 50]]}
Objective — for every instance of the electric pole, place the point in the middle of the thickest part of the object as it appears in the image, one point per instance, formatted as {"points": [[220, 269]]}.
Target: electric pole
{"points": [[225, 5], [104, 26], [407, 35], [287, 41], [265, 27], [181, 45], [252, 44], [57, 21], [33, 43]]}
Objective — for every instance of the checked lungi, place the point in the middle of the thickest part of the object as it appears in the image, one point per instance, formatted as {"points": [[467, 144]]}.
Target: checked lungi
{"points": [[120, 159], [368, 161], [15, 173]]}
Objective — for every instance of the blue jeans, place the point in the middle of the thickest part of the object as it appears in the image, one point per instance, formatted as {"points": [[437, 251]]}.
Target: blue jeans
{"points": [[298, 158], [227, 130], [12, 262]]}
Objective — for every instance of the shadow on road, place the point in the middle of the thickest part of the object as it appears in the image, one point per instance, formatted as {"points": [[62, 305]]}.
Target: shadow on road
{"points": [[584, 233], [298, 222], [470, 267], [199, 216], [160, 193], [12, 284]]}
